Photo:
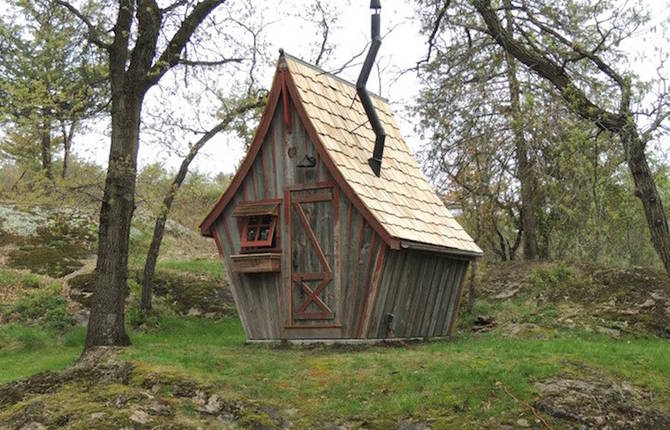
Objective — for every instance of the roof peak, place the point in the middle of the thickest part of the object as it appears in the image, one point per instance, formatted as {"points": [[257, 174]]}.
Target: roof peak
{"points": [[320, 71]]}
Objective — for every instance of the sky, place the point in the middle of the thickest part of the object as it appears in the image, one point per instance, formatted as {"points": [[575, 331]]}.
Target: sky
{"points": [[402, 47]]}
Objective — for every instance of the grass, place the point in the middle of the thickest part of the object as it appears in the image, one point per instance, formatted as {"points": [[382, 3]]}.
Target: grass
{"points": [[454, 384], [201, 266], [26, 350]]}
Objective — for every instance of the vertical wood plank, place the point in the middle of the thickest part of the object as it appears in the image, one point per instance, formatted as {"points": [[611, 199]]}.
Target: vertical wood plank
{"points": [[432, 296], [385, 288], [267, 191], [233, 281], [442, 292], [400, 301], [237, 284], [356, 224], [374, 290], [447, 298], [366, 289], [411, 290], [425, 278], [357, 250]]}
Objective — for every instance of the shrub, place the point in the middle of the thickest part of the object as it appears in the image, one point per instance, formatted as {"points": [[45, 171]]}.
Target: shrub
{"points": [[46, 306], [30, 280], [546, 278]]}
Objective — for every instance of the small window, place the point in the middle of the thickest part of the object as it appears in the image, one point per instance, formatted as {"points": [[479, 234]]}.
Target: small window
{"points": [[258, 232]]}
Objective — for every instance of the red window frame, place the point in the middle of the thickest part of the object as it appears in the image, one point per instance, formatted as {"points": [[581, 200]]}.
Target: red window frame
{"points": [[258, 222]]}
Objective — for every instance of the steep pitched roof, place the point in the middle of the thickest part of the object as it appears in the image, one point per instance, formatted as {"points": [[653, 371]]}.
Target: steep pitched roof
{"points": [[400, 202], [401, 199]]}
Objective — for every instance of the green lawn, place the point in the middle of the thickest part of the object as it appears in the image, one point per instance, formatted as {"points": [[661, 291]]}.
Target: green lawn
{"points": [[202, 266], [454, 383]]}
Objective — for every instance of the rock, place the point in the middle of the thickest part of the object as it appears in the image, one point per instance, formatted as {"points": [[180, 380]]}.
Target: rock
{"points": [[200, 398], [159, 407], [140, 417], [97, 415], [608, 331], [656, 295], [34, 426], [522, 422], [597, 402], [506, 294], [409, 425], [194, 312], [226, 418], [519, 329], [121, 401], [649, 303], [214, 405]]}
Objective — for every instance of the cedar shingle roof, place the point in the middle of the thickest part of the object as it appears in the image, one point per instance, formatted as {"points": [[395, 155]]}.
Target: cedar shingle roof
{"points": [[401, 199]]}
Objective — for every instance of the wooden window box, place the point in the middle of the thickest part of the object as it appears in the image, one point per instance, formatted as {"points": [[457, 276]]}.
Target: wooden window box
{"points": [[256, 263]]}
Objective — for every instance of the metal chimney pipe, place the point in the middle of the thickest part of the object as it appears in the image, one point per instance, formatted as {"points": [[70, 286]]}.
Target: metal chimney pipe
{"points": [[375, 23]]}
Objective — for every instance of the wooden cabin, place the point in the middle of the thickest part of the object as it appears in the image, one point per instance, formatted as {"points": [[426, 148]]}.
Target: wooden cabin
{"points": [[315, 244]]}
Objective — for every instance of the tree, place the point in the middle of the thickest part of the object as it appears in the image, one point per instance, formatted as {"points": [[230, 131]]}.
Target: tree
{"points": [[549, 44], [238, 112], [475, 114], [50, 82], [240, 108], [138, 58]]}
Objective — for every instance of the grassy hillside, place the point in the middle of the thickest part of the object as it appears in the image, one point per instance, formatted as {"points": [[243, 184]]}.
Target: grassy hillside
{"points": [[546, 346]]}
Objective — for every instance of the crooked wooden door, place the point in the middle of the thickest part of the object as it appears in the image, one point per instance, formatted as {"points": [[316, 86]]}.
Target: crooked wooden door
{"points": [[313, 296]]}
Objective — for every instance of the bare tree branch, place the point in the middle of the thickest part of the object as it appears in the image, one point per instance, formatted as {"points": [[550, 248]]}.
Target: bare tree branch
{"points": [[94, 35], [187, 62], [172, 53], [433, 33], [326, 31], [173, 6]]}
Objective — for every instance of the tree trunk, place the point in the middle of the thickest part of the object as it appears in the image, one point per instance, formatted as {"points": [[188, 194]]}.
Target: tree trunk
{"points": [[159, 227], [67, 146], [645, 190], [524, 167], [106, 324], [46, 151], [471, 286]]}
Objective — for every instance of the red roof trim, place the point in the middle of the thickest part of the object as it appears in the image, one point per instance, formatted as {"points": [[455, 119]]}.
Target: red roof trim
{"points": [[256, 145]]}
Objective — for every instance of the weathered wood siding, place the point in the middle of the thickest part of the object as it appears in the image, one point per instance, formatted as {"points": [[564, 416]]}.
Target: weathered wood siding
{"points": [[422, 290], [263, 299]]}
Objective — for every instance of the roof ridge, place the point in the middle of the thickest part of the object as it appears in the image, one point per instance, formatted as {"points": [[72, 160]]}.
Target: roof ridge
{"points": [[332, 75]]}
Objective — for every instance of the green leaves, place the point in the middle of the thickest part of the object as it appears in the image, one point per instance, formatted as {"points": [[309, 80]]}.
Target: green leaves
{"points": [[49, 77]]}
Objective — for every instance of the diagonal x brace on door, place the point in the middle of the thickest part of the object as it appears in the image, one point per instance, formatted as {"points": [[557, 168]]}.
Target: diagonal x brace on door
{"points": [[313, 295]]}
